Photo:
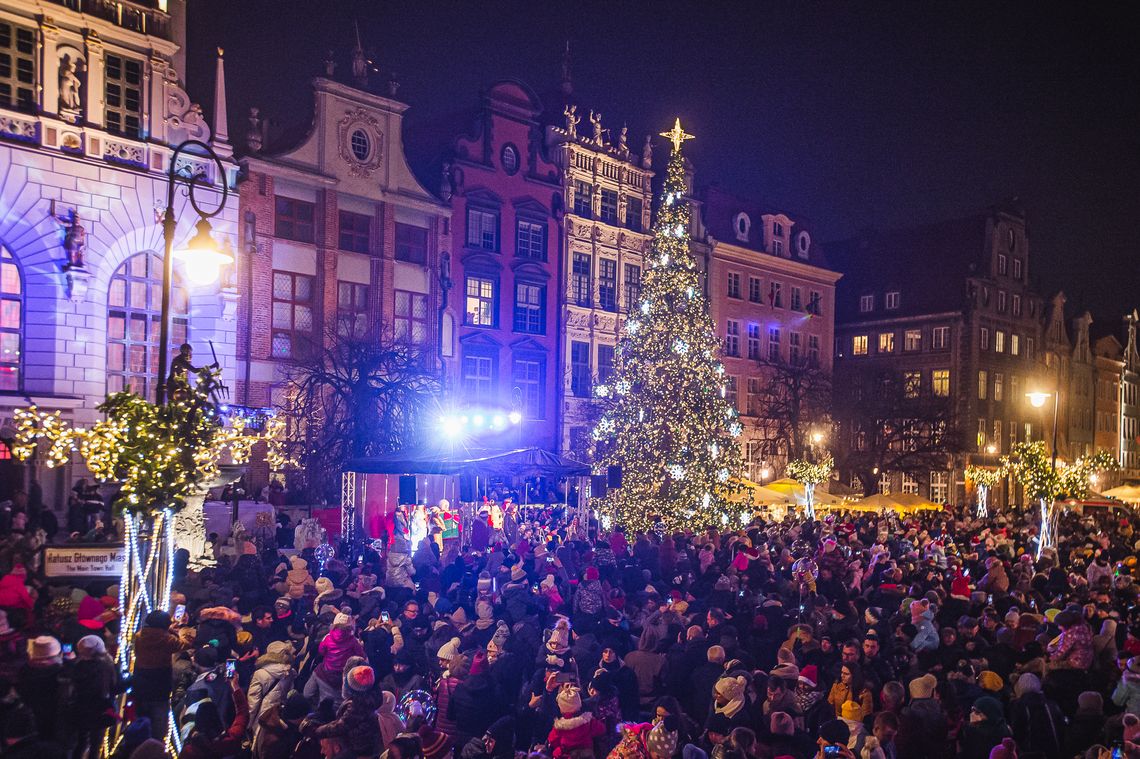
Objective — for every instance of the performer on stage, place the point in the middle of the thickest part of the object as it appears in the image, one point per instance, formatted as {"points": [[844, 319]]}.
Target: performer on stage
{"points": [[419, 525]]}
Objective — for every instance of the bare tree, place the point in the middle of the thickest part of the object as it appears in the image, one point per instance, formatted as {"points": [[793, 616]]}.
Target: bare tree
{"points": [[794, 400], [887, 425], [357, 396]]}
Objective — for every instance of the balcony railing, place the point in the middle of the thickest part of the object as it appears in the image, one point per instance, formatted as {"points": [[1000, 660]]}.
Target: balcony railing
{"points": [[141, 16]]}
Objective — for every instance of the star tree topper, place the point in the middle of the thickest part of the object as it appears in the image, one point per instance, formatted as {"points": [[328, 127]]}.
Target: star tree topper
{"points": [[677, 135]]}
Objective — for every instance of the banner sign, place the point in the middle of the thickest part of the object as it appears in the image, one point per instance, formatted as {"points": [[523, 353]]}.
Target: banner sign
{"points": [[60, 562]]}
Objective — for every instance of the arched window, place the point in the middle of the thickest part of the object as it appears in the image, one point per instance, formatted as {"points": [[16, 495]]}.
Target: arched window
{"points": [[11, 321], [134, 306]]}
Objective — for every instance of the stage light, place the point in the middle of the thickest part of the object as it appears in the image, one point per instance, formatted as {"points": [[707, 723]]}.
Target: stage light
{"points": [[515, 417], [477, 420], [499, 421], [451, 426]]}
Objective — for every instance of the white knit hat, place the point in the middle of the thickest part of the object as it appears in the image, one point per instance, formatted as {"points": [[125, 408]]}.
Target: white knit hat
{"points": [[449, 649]]}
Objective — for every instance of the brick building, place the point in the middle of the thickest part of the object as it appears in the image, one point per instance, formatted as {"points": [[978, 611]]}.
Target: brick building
{"points": [[91, 104], [504, 193], [946, 314], [772, 300], [339, 235]]}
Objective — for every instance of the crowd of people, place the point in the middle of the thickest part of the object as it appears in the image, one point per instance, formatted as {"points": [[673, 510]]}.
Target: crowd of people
{"points": [[857, 636]]}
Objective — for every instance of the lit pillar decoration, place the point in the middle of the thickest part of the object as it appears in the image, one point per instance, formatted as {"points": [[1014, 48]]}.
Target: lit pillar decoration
{"points": [[663, 415], [1046, 483], [984, 480], [809, 475], [161, 456]]}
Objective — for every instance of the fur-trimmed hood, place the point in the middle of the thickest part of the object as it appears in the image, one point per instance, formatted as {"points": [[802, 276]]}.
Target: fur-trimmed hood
{"points": [[222, 613], [571, 723]]}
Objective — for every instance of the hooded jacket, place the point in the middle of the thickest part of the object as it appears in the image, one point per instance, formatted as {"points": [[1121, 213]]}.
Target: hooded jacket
{"points": [[336, 648], [270, 684]]}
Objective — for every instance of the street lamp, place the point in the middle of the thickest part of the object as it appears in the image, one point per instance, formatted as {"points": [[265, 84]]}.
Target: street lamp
{"points": [[1037, 400], [817, 437], [202, 258]]}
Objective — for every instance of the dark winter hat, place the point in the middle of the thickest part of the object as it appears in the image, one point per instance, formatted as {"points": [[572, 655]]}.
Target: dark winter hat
{"points": [[835, 731], [158, 619]]}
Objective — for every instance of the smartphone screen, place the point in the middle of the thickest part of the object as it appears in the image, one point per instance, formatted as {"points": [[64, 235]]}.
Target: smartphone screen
{"points": [[385, 616], [231, 668], [831, 750], [67, 648], [179, 612]]}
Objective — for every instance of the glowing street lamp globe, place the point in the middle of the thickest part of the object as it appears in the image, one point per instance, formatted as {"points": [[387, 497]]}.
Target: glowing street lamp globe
{"points": [[1037, 399], [202, 259]]}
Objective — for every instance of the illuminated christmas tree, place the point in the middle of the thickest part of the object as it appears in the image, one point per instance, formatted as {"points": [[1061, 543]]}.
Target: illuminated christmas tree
{"points": [[664, 418]]}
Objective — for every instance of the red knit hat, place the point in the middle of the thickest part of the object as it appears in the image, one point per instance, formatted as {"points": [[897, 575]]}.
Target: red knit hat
{"points": [[360, 679], [960, 588]]}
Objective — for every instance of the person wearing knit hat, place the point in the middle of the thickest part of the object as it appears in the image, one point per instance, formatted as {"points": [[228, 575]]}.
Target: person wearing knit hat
{"points": [[660, 741], [447, 651], [498, 643], [787, 672], [923, 687], [728, 696], [518, 574], [1007, 749], [991, 681], [851, 711], [558, 642], [435, 744], [360, 679], [834, 732], [986, 728], [574, 731]]}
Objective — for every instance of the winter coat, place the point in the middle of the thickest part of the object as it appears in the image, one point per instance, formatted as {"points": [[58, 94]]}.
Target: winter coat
{"points": [[155, 648], [921, 725], [1127, 693], [1038, 724], [1073, 649], [574, 736], [275, 738], [648, 667], [269, 686], [475, 704], [926, 639], [390, 723], [96, 680], [399, 573], [218, 623], [356, 726], [840, 694], [336, 648], [444, 722], [200, 746], [298, 579], [48, 691], [978, 739]]}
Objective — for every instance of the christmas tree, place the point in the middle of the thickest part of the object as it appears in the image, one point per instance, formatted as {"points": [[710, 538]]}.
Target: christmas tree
{"points": [[664, 418]]}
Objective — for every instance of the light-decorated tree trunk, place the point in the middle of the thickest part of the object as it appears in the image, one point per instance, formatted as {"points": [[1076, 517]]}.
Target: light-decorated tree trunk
{"points": [[809, 500], [982, 508]]}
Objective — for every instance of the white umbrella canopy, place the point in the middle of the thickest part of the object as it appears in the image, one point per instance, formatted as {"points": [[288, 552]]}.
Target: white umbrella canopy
{"points": [[1127, 493]]}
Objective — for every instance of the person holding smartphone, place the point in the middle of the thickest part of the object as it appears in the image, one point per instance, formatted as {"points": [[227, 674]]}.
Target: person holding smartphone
{"points": [[833, 737]]}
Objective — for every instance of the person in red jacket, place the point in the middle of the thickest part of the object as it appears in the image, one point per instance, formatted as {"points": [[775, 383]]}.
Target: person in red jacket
{"points": [[574, 732], [210, 739]]}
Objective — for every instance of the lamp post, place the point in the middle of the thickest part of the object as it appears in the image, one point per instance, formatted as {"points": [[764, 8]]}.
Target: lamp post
{"points": [[1037, 400], [202, 256]]}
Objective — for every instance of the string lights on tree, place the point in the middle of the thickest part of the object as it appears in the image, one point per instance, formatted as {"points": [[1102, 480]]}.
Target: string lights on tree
{"points": [[668, 424], [159, 456], [809, 475], [1030, 464], [984, 479]]}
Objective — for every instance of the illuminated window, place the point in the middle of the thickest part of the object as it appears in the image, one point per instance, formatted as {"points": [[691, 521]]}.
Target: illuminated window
{"points": [[940, 383], [983, 384], [134, 307], [909, 483], [999, 385], [939, 487], [859, 345], [912, 340], [11, 320], [480, 301], [886, 342], [1015, 344], [885, 483], [293, 323], [999, 341]]}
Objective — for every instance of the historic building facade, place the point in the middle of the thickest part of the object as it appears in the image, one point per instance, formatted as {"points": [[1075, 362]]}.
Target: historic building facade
{"points": [[504, 194], [956, 347], [340, 238], [607, 192], [773, 304], [91, 106]]}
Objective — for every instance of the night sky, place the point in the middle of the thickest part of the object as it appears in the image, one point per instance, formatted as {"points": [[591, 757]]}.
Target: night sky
{"points": [[851, 115]]}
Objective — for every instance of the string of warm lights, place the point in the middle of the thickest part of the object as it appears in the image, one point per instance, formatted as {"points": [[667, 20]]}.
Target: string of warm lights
{"points": [[664, 417], [159, 456]]}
